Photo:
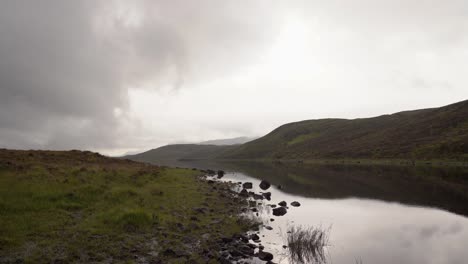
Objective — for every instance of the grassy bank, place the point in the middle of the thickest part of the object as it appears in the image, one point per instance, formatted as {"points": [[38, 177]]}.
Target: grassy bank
{"points": [[82, 207]]}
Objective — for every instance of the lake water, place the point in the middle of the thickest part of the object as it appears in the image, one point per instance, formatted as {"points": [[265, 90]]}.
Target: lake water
{"points": [[374, 214]]}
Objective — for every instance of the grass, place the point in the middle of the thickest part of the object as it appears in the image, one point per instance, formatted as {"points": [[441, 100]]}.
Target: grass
{"points": [[307, 244], [82, 207]]}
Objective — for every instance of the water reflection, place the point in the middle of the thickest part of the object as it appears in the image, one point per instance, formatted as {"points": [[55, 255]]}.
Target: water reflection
{"points": [[378, 214], [444, 188]]}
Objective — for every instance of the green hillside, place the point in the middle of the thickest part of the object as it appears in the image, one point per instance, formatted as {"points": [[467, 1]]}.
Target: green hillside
{"points": [[183, 152], [437, 133]]}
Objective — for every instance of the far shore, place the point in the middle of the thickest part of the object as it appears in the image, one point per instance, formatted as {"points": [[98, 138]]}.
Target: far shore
{"points": [[393, 162]]}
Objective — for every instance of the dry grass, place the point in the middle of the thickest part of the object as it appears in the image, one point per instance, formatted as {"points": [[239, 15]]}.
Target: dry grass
{"points": [[307, 244]]}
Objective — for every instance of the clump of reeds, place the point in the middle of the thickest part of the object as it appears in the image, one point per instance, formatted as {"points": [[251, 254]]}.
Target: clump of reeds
{"points": [[307, 244]]}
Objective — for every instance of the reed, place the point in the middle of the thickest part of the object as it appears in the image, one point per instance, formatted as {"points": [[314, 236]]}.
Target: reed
{"points": [[307, 244]]}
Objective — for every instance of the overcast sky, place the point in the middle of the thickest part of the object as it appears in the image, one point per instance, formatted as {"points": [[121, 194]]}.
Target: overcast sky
{"points": [[118, 76]]}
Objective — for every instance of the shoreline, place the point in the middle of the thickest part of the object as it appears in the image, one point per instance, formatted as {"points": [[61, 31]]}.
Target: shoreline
{"points": [[392, 162]]}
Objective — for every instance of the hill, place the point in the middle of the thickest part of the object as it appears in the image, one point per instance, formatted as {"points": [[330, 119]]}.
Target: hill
{"points": [[182, 152], [436, 133], [228, 141]]}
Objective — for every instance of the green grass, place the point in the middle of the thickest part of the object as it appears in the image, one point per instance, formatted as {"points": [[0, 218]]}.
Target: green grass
{"points": [[75, 206]]}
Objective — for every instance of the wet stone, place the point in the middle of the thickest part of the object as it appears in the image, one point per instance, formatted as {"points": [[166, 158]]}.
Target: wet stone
{"points": [[295, 204], [264, 185]]}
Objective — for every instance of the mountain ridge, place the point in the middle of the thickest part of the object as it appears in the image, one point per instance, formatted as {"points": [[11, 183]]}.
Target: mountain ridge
{"points": [[431, 133], [421, 134]]}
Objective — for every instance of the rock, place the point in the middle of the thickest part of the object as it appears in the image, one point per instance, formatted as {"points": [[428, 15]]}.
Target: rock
{"points": [[236, 253], [244, 193], [257, 196], [247, 250], [247, 185], [295, 204], [210, 181], [267, 195], [268, 228], [254, 237], [210, 172], [272, 219], [252, 245], [283, 203], [220, 174], [264, 185], [265, 256], [279, 211], [273, 205], [244, 238], [254, 209]]}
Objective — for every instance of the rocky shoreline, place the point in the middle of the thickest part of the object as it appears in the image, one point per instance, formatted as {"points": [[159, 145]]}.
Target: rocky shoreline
{"points": [[244, 247]]}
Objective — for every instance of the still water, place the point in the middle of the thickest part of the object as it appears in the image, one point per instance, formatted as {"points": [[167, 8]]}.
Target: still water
{"points": [[374, 214]]}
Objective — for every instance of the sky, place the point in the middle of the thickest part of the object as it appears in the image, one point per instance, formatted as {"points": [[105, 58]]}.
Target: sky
{"points": [[117, 76]]}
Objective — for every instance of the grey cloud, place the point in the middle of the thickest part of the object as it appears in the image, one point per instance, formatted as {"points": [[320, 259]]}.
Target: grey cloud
{"points": [[66, 65]]}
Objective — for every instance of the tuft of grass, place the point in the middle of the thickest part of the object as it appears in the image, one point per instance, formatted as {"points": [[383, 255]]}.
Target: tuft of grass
{"points": [[307, 244], [134, 220]]}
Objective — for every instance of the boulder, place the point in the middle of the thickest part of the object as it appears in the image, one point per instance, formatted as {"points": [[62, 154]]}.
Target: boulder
{"points": [[295, 204], [282, 203], [220, 174], [279, 211], [264, 185]]}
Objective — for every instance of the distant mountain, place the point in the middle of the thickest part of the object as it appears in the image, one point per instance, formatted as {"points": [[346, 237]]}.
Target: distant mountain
{"points": [[437, 133], [182, 152], [229, 141]]}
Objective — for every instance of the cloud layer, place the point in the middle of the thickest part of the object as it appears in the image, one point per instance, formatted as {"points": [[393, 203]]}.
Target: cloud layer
{"points": [[118, 75]]}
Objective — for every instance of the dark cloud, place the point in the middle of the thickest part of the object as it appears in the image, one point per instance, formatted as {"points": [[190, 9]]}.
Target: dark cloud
{"points": [[66, 66]]}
